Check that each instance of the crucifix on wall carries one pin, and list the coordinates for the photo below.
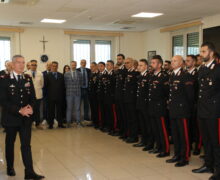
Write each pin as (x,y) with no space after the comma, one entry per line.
(44,42)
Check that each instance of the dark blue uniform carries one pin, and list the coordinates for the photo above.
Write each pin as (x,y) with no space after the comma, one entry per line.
(181,99)
(209,113)
(157,102)
(14,95)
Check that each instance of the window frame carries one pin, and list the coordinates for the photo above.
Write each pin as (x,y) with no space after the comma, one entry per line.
(92,45)
(11,36)
(185,32)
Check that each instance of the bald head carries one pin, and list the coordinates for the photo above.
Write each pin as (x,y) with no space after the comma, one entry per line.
(129,63)
(177,62)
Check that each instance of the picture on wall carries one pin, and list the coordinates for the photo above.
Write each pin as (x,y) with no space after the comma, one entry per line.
(150,54)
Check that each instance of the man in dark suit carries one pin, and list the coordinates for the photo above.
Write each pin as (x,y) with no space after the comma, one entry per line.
(208,111)
(17,97)
(54,84)
(45,97)
(120,74)
(181,101)
(147,140)
(109,98)
(157,97)
(93,83)
(86,73)
(129,99)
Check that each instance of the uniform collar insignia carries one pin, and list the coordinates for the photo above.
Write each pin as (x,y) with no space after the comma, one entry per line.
(212,66)
(12,86)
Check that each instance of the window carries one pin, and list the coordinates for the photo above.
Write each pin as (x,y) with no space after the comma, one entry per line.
(178,48)
(81,50)
(102,50)
(92,49)
(193,43)
(5,51)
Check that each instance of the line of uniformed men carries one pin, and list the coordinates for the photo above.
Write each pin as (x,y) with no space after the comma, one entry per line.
(161,105)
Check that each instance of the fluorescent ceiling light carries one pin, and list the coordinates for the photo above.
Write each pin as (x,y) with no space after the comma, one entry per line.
(58,21)
(147,15)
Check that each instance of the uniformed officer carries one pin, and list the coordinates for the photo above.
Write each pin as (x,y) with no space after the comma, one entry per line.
(100,95)
(208,110)
(158,93)
(142,105)
(92,88)
(17,97)
(109,98)
(195,136)
(119,86)
(129,98)
(181,99)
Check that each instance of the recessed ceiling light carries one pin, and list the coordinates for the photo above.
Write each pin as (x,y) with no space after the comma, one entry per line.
(58,21)
(147,15)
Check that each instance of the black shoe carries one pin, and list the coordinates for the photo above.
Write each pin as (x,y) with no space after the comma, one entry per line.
(154,151)
(202,157)
(33,176)
(215,176)
(181,163)
(196,152)
(116,134)
(174,159)
(50,127)
(61,126)
(139,145)
(203,169)
(11,172)
(131,140)
(147,148)
(163,154)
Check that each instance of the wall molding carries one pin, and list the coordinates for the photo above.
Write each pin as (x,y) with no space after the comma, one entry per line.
(181,26)
(93,33)
(11,29)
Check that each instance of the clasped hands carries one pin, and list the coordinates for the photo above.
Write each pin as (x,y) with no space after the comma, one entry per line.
(26,111)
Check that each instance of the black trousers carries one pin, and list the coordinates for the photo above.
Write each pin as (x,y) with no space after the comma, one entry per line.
(36,115)
(25,139)
(94,110)
(146,127)
(120,112)
(85,100)
(109,116)
(101,114)
(160,133)
(131,122)
(180,136)
(210,131)
(45,109)
(55,111)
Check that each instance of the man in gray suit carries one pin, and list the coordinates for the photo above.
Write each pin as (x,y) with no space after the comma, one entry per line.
(73,83)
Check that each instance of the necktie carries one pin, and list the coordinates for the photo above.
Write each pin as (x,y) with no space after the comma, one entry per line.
(55,75)
(33,74)
(19,78)
(84,77)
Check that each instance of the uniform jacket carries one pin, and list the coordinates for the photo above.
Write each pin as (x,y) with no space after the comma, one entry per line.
(13,96)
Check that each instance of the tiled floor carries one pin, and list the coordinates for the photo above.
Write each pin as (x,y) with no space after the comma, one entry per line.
(88,154)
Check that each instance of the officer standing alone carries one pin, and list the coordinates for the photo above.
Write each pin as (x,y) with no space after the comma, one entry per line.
(17,97)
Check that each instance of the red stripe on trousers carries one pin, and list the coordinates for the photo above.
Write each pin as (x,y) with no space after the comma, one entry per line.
(218,130)
(186,138)
(115,116)
(165,135)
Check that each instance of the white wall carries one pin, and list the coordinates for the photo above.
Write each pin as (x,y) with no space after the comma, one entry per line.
(58,47)
(162,42)
(159,42)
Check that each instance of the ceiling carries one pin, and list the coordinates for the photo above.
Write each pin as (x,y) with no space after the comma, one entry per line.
(112,15)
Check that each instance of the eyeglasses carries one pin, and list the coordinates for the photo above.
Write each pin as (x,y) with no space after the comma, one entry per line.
(33,64)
